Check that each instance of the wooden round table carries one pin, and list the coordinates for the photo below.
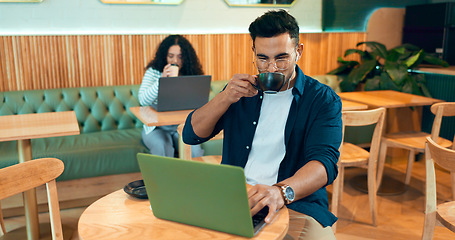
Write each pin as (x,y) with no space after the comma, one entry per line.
(120,216)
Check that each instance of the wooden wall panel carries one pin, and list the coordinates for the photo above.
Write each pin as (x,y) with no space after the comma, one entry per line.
(44,62)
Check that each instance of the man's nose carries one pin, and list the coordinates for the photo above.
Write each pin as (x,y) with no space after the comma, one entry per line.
(272,67)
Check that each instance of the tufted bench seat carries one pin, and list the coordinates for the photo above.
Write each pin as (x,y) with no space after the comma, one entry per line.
(110,135)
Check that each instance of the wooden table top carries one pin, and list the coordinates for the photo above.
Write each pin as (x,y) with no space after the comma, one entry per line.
(151,117)
(38,125)
(350,105)
(388,99)
(120,216)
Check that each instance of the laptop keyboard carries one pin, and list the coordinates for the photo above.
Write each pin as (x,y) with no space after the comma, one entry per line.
(260,216)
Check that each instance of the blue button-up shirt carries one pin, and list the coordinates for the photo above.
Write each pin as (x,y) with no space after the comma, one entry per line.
(313,131)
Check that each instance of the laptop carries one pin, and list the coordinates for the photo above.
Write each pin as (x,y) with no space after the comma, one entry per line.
(182,92)
(200,194)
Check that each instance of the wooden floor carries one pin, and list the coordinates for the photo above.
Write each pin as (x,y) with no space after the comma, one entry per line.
(400,216)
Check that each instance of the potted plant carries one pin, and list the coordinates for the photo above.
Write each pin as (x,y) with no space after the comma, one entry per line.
(382,69)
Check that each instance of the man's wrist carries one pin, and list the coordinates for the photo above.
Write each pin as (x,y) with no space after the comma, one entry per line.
(286,191)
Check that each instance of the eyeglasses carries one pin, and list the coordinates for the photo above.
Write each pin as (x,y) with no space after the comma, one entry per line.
(280,64)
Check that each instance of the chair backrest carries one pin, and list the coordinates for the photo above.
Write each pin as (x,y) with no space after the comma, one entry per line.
(31,174)
(364,118)
(444,157)
(185,149)
(445,109)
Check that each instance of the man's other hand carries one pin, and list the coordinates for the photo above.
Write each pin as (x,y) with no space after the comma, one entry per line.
(261,195)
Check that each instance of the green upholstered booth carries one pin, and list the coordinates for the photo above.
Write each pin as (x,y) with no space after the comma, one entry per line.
(110,135)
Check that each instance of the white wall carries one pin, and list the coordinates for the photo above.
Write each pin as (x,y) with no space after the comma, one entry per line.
(56,17)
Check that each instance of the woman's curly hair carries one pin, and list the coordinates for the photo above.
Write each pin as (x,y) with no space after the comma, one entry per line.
(190,61)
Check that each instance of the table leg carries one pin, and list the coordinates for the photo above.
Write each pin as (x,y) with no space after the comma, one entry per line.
(24,148)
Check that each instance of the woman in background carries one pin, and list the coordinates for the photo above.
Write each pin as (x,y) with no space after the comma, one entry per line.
(175,56)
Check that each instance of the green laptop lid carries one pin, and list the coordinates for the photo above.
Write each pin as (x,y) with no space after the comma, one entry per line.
(201,194)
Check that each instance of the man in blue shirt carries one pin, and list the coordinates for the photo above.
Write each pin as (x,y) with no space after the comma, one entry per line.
(287,142)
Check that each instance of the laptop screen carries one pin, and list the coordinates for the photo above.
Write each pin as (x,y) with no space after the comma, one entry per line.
(182,92)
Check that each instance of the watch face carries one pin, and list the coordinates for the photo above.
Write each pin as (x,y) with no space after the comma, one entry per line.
(290,193)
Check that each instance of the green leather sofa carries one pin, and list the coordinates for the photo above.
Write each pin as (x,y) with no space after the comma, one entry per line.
(110,135)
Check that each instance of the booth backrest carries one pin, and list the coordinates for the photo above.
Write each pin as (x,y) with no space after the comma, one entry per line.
(97,108)
(330,80)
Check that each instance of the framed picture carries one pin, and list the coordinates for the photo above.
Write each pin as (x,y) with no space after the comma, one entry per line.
(165,2)
(25,1)
(260,3)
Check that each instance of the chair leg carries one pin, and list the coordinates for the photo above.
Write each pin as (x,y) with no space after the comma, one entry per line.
(2,223)
(411,159)
(341,174)
(428,226)
(372,193)
(336,192)
(381,162)
(452,175)
(54,211)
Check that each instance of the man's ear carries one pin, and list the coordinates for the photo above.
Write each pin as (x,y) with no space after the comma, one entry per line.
(299,50)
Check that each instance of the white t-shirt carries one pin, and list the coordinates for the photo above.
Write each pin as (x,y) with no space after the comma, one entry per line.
(268,148)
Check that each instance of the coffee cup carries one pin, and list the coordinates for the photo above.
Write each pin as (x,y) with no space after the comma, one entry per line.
(173,70)
(270,82)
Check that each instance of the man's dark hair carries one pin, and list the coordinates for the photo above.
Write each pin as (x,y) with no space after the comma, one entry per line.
(191,64)
(274,23)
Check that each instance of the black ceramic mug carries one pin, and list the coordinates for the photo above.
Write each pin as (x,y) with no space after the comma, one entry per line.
(270,82)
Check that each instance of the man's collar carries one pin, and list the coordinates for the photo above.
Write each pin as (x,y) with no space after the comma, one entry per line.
(299,82)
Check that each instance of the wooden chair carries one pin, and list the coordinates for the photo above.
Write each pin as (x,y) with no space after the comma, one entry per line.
(2,223)
(414,142)
(31,174)
(437,213)
(185,149)
(355,156)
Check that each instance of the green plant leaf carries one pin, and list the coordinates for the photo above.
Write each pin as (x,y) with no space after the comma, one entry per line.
(347,86)
(397,72)
(378,49)
(359,73)
(411,86)
(434,60)
(393,55)
(399,49)
(351,51)
(387,83)
(350,63)
(338,70)
(410,61)
(410,47)
(372,84)
(424,89)
(345,68)
(418,77)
